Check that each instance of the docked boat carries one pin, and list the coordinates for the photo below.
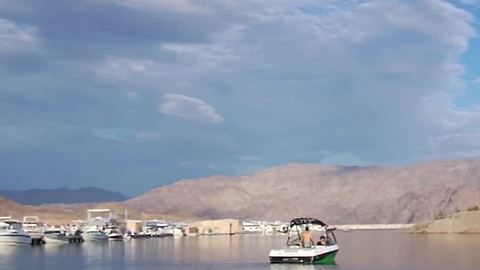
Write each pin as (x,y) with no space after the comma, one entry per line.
(156,228)
(322,252)
(177,232)
(92,233)
(55,236)
(114,233)
(12,233)
(32,225)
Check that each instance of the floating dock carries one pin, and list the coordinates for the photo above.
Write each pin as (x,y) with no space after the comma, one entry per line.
(75,239)
(38,239)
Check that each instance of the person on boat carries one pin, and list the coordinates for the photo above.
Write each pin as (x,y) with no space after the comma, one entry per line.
(307,238)
(322,241)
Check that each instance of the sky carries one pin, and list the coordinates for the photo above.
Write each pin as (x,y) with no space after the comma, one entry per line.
(130,95)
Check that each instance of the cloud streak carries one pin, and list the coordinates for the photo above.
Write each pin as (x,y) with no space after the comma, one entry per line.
(16,38)
(189,108)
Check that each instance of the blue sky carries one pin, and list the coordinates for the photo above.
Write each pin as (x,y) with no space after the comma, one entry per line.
(130,95)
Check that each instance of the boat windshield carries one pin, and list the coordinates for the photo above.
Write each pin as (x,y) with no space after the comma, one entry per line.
(318,230)
(12,224)
(331,239)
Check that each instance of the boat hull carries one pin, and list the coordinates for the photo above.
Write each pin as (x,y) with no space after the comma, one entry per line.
(56,239)
(316,255)
(95,237)
(115,236)
(15,239)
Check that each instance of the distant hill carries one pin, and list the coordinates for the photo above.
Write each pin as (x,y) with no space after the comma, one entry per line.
(334,194)
(66,213)
(53,214)
(62,196)
(459,222)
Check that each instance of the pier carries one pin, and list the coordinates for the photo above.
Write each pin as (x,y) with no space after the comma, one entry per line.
(348,227)
(75,239)
(37,240)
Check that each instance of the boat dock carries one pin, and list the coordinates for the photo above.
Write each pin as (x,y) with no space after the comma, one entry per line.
(75,239)
(39,239)
(348,227)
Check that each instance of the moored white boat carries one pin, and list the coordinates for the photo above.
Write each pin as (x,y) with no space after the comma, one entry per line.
(92,233)
(177,232)
(114,233)
(251,227)
(298,252)
(12,233)
(156,228)
(55,236)
(32,225)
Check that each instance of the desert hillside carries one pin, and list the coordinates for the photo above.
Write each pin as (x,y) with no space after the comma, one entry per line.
(458,222)
(408,194)
(67,213)
(377,194)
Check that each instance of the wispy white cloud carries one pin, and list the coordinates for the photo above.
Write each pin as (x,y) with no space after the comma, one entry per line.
(147,134)
(205,55)
(185,6)
(14,37)
(123,68)
(457,144)
(467,2)
(115,134)
(124,134)
(189,108)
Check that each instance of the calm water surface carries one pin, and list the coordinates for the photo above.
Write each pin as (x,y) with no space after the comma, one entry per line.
(358,250)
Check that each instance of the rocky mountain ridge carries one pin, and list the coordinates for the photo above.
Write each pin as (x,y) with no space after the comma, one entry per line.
(337,195)
(374,194)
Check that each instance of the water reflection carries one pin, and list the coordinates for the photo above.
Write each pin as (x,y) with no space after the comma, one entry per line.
(358,250)
(301,267)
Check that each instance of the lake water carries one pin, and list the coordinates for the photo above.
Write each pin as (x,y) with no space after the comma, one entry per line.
(358,250)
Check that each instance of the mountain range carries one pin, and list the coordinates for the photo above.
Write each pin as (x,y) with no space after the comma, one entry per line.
(335,194)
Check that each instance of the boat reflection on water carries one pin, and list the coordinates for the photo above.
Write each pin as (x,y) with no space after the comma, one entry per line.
(7,251)
(238,252)
(302,267)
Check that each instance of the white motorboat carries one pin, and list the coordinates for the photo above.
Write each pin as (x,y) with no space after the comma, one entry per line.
(155,228)
(114,233)
(92,233)
(55,236)
(32,225)
(177,232)
(251,227)
(297,252)
(12,233)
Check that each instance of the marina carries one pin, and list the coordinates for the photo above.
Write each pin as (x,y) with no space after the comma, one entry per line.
(104,225)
